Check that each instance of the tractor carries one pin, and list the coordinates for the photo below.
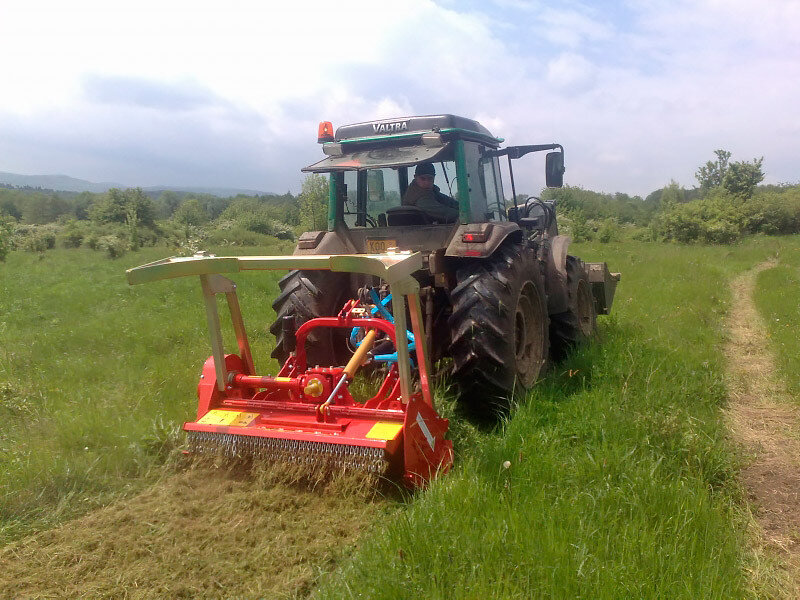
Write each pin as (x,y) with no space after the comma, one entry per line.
(485,284)
(500,296)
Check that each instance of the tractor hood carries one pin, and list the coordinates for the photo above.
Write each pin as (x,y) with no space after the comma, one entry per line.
(376,158)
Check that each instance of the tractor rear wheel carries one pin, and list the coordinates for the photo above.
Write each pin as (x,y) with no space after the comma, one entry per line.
(306,295)
(578,323)
(499,328)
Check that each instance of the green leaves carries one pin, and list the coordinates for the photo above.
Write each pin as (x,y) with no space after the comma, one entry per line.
(6,230)
(739,178)
(124,206)
(712,173)
(314,203)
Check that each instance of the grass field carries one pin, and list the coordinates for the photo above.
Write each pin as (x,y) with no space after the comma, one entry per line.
(97,376)
(622,481)
(777,297)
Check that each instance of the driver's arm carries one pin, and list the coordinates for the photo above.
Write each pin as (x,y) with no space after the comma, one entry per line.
(410,197)
(446,200)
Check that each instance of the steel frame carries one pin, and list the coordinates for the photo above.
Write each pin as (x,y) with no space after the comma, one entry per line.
(395,268)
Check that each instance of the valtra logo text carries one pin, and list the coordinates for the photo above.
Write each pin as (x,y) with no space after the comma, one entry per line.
(390,127)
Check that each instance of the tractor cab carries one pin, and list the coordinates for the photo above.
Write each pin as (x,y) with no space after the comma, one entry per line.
(372,164)
(498,290)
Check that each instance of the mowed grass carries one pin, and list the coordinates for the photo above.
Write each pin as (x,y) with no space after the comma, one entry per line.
(777,297)
(621,483)
(96,376)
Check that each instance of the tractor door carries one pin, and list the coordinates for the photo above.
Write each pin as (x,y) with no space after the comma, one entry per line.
(491,184)
(484,197)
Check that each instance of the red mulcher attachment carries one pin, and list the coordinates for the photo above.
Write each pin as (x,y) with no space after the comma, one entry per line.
(307,415)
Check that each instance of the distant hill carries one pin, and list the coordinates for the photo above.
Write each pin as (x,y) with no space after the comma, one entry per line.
(62,183)
(221,192)
(65,183)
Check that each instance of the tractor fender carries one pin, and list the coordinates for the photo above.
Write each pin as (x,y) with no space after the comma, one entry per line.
(325,242)
(556,274)
(492,234)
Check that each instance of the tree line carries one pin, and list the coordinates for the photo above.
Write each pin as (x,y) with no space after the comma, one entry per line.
(727,203)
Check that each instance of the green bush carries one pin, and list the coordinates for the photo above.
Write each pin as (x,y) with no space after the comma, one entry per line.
(191,212)
(236,235)
(643,234)
(608,231)
(774,212)
(111,238)
(187,238)
(71,235)
(146,236)
(37,242)
(261,223)
(35,238)
(722,217)
(596,205)
(253,215)
(112,245)
(575,224)
(6,236)
(717,218)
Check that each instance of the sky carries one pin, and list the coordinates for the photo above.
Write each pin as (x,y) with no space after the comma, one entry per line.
(229,94)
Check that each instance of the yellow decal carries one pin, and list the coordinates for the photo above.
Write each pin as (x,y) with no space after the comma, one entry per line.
(283,379)
(228,417)
(384,431)
(379,246)
(244,419)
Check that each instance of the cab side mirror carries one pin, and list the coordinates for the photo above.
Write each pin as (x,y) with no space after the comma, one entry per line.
(554,169)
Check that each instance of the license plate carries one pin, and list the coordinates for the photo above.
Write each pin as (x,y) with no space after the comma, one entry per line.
(380,246)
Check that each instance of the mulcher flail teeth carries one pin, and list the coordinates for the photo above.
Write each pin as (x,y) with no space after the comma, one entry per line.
(298,452)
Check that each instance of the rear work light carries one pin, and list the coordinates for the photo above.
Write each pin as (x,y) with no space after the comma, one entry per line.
(325,133)
(475,237)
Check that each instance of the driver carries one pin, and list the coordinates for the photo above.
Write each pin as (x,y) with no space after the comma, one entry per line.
(424,195)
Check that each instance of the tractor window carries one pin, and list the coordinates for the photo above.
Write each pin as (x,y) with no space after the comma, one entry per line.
(371,192)
(478,184)
(445,178)
(491,185)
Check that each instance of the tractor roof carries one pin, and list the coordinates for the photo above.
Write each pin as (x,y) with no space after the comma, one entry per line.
(405,126)
(398,142)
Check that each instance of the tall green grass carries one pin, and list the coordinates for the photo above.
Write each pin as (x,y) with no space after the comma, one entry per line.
(622,482)
(777,297)
(96,376)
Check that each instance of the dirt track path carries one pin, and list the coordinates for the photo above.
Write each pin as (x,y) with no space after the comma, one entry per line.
(765,420)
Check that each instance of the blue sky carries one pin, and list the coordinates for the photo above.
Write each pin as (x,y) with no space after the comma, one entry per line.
(195,93)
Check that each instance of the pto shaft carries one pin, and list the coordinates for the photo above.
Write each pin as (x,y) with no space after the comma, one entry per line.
(350,369)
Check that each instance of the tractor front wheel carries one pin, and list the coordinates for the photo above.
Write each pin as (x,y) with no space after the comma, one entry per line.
(306,295)
(578,323)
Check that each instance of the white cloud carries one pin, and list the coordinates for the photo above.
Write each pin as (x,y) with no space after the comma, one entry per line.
(568,27)
(637,98)
(570,72)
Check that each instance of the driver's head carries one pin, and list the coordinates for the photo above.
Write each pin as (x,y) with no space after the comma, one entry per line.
(424,174)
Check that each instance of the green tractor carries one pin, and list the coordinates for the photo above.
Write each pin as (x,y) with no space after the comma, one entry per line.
(501,296)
